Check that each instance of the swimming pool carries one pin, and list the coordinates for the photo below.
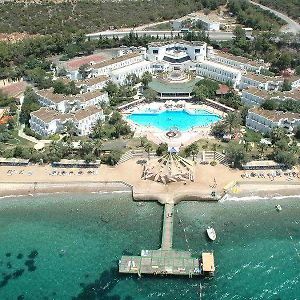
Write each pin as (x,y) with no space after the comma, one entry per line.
(182,120)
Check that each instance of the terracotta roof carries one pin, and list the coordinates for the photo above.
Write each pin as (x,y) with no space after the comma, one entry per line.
(223,89)
(75,63)
(116,60)
(240,59)
(295,94)
(261,78)
(15,89)
(89,96)
(56,98)
(84,113)
(93,80)
(275,116)
(47,115)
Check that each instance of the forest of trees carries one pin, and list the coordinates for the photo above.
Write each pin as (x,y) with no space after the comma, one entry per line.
(290,7)
(48,17)
(253,16)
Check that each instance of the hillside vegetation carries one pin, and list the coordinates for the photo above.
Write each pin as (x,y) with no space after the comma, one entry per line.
(290,7)
(90,16)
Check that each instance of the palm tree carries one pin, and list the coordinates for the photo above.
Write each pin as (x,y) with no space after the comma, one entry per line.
(247,145)
(70,130)
(214,148)
(261,148)
(192,149)
(148,147)
(97,147)
(233,121)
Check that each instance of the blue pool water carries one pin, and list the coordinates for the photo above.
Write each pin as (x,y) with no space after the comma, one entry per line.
(182,120)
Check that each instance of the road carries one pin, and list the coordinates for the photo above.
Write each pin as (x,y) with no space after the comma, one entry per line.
(292,26)
(213,35)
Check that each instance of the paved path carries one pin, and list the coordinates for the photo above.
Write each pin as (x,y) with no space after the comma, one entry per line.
(39,144)
(167,233)
(292,26)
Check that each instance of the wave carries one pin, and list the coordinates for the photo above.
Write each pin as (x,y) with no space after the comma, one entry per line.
(256,198)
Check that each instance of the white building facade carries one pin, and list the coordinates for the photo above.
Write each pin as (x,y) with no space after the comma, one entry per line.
(265,121)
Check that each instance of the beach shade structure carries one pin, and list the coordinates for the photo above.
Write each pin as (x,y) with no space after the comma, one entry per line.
(169,168)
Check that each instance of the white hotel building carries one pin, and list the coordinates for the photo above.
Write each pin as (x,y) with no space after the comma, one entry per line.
(265,121)
(46,121)
(68,103)
(256,97)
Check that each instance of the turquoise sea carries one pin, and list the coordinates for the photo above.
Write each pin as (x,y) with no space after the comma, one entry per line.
(64,246)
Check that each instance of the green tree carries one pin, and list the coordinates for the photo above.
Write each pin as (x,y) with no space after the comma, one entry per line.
(30,104)
(269,104)
(285,157)
(286,86)
(233,121)
(150,95)
(162,149)
(146,78)
(236,154)
(192,150)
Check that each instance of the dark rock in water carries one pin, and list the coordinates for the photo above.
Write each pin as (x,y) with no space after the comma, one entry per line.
(8,265)
(128,298)
(8,254)
(21,297)
(81,284)
(126,252)
(30,264)
(18,273)
(86,275)
(33,254)
(20,256)
(5,280)
(54,294)
(101,288)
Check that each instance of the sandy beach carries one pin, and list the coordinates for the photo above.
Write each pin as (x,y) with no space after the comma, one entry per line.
(127,177)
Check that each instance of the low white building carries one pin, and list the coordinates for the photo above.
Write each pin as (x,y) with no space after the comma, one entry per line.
(92,84)
(106,67)
(259,81)
(219,72)
(256,97)
(208,23)
(85,119)
(92,98)
(176,52)
(265,121)
(120,76)
(69,103)
(234,61)
(59,102)
(46,121)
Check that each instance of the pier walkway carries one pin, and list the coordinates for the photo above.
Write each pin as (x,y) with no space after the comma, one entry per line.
(165,260)
(167,232)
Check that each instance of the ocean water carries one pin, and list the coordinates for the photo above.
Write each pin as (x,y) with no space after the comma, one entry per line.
(181,119)
(64,246)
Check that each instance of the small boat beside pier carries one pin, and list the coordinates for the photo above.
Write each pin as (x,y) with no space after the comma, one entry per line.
(168,261)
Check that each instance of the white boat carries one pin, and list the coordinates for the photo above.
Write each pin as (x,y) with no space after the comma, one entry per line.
(211,233)
(278,207)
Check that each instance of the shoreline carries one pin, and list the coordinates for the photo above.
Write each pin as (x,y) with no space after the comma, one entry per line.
(239,190)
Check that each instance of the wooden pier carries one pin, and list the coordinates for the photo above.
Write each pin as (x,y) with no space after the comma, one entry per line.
(166,260)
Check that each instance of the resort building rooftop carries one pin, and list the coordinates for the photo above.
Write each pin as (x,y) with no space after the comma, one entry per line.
(56,98)
(75,63)
(261,78)
(275,116)
(84,113)
(115,60)
(93,80)
(47,115)
(240,59)
(182,42)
